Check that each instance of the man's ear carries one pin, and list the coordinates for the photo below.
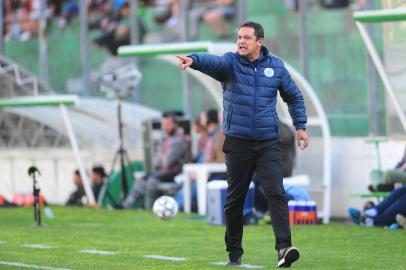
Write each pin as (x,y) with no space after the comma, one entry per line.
(260,42)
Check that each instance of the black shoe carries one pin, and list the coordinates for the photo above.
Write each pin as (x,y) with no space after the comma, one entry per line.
(286,256)
(234,262)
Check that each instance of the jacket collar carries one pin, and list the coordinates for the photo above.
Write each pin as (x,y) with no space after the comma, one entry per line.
(263,55)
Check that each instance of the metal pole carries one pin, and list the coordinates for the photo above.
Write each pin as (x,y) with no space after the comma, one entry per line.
(187,95)
(382,74)
(135,38)
(241,11)
(2,22)
(303,40)
(134,23)
(372,81)
(124,186)
(43,46)
(84,48)
(86,181)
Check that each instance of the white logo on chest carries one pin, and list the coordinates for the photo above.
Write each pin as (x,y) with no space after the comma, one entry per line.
(269,72)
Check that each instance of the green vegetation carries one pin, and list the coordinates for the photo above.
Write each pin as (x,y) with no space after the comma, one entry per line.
(133,234)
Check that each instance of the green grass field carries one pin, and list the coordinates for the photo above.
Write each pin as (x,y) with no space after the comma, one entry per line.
(133,234)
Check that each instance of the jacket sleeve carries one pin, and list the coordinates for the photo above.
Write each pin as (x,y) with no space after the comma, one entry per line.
(214,66)
(292,95)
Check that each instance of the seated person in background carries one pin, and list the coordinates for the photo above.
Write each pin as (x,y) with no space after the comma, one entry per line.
(98,177)
(383,214)
(391,177)
(75,199)
(175,152)
(78,197)
(115,28)
(214,13)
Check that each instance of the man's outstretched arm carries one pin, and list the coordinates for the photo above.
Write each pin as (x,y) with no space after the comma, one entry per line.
(214,66)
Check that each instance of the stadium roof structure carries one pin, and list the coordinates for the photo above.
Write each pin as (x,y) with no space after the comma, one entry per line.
(94,120)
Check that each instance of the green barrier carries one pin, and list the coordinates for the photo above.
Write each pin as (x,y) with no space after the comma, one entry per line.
(112,196)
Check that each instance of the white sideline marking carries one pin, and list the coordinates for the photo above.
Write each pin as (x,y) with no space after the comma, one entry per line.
(2,242)
(248,266)
(37,246)
(100,252)
(167,258)
(18,264)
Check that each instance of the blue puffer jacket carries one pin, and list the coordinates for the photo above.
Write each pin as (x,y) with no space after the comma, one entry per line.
(250,93)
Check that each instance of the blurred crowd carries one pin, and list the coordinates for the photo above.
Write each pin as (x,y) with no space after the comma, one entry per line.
(110,18)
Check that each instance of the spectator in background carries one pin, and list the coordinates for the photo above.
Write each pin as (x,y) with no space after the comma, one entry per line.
(115,27)
(76,197)
(175,152)
(17,19)
(98,177)
(391,177)
(166,13)
(70,9)
(383,214)
(214,13)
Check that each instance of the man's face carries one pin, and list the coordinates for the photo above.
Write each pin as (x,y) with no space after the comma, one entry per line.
(167,125)
(247,43)
(96,178)
(77,180)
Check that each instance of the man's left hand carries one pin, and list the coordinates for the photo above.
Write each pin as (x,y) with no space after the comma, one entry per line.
(302,138)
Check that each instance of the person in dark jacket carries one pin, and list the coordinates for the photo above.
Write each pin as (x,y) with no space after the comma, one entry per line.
(251,78)
(76,197)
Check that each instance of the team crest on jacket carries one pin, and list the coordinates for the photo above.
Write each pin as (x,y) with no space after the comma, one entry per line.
(269,72)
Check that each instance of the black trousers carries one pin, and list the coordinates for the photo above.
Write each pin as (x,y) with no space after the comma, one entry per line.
(243,158)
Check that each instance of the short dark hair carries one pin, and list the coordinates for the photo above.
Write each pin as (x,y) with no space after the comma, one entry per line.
(258,29)
(98,169)
(212,116)
(174,115)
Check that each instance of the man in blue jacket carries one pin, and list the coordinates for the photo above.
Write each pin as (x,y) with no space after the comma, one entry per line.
(251,78)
